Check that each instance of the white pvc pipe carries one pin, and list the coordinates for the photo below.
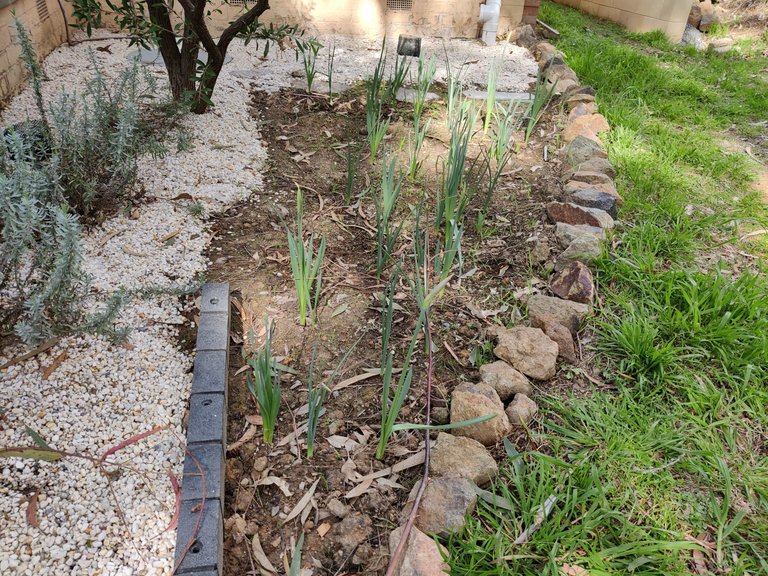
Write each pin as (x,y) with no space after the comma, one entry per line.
(489,16)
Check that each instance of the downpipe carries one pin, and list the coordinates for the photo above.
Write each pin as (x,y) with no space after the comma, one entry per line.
(489,16)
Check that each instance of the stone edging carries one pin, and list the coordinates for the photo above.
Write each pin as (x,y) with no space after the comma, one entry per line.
(206,441)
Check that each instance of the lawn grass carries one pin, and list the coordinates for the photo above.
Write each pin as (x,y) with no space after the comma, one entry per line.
(664,470)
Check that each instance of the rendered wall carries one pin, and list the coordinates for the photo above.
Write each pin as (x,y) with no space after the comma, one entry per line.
(443,18)
(45,22)
(669,16)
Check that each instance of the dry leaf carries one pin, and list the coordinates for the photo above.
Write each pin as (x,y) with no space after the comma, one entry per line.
(359,490)
(32,510)
(302,503)
(572,570)
(699,562)
(349,469)
(235,525)
(55,364)
(254,419)
(322,530)
(261,558)
(249,434)
(274,480)
(345,442)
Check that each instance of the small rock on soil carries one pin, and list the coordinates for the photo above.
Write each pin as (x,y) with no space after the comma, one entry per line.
(462,457)
(574,282)
(566,348)
(569,314)
(422,556)
(585,249)
(470,401)
(582,149)
(528,350)
(505,380)
(444,505)
(521,410)
(567,233)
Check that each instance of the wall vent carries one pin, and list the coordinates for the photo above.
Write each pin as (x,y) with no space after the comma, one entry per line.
(42,9)
(400,5)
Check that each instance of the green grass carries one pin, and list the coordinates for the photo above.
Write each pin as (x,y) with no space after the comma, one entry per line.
(673,449)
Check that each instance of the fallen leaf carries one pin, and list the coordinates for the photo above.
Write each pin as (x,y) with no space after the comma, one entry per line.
(345,442)
(55,364)
(254,419)
(340,309)
(349,469)
(274,480)
(249,434)
(699,562)
(322,530)
(32,510)
(261,558)
(359,490)
(572,570)
(302,503)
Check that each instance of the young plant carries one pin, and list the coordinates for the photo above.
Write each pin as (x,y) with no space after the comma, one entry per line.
(377,128)
(414,148)
(306,264)
(424,78)
(264,384)
(494,174)
(309,50)
(508,120)
(490,98)
(396,79)
(541,97)
(386,237)
(353,163)
(318,395)
(329,73)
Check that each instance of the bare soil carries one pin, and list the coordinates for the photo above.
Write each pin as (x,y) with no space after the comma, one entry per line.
(308,140)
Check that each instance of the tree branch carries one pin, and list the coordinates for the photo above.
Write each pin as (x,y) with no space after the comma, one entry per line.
(245,20)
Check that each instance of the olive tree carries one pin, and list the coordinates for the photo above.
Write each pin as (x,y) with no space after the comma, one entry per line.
(180,35)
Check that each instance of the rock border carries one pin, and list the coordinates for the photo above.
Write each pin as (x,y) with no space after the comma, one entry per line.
(200,534)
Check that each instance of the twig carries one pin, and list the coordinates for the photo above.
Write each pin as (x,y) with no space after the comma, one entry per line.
(34,352)
(397,555)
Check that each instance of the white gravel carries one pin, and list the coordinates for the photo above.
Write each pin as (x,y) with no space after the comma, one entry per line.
(102,394)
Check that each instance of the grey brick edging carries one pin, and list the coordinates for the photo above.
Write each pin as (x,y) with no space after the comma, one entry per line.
(206,440)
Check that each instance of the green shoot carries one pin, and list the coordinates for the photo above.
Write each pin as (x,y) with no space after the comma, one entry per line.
(490,99)
(295,567)
(509,120)
(396,79)
(306,265)
(377,128)
(424,79)
(541,98)
(309,50)
(329,72)
(385,206)
(264,384)
(318,395)
(414,148)
(353,162)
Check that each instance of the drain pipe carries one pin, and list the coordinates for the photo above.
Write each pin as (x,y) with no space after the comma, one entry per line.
(489,16)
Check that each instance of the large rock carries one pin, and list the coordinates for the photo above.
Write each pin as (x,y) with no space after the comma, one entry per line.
(589,126)
(523,36)
(470,401)
(574,282)
(584,249)
(694,16)
(462,457)
(422,555)
(569,314)
(582,109)
(505,380)
(693,37)
(583,149)
(594,198)
(444,505)
(566,348)
(570,213)
(600,165)
(521,410)
(529,350)
(709,15)
(591,177)
(567,233)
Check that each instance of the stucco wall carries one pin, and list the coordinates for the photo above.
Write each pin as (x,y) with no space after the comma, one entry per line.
(446,18)
(45,22)
(669,16)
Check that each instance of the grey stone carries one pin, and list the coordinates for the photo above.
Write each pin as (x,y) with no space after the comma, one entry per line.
(470,401)
(207,419)
(351,532)
(521,410)
(444,505)
(593,198)
(693,37)
(213,332)
(567,233)
(581,149)
(462,457)
(569,314)
(500,96)
(584,249)
(591,177)
(206,551)
(540,252)
(505,380)
(409,95)
(566,348)
(422,556)
(215,297)
(337,508)
(528,350)
(601,165)
(210,372)
(574,282)
(211,459)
